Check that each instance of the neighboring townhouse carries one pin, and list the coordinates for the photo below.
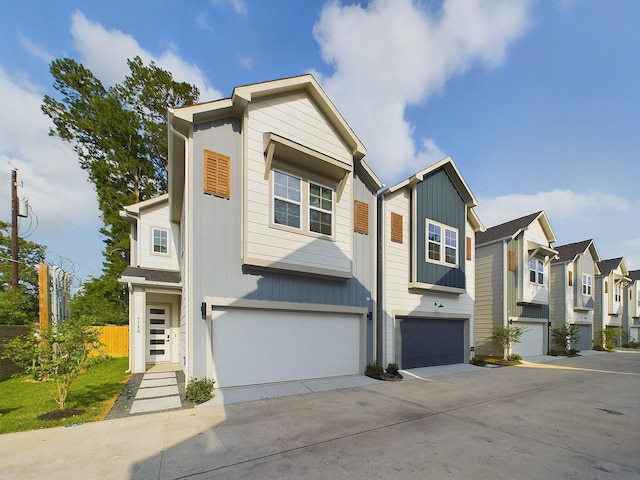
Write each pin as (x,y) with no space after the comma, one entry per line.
(271,213)
(609,296)
(571,296)
(631,319)
(427,226)
(512,283)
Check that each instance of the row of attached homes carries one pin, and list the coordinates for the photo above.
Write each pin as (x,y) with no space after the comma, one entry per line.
(277,254)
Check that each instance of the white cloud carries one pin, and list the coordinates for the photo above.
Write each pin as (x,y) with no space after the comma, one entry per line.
(392,54)
(34,49)
(631,253)
(239,6)
(105,53)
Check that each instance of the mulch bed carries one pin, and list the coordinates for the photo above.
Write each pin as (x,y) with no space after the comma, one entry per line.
(60,414)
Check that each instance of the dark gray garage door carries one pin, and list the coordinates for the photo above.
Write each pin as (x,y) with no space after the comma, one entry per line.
(584,342)
(427,342)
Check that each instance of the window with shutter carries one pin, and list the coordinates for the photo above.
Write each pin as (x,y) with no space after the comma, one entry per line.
(396,228)
(361,217)
(217,174)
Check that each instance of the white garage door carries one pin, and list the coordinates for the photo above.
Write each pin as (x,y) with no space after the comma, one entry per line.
(532,341)
(257,346)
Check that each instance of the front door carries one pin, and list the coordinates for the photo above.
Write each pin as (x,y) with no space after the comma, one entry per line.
(158,334)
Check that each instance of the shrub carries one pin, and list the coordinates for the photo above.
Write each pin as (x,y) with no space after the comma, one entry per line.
(374,370)
(514,357)
(506,336)
(478,361)
(632,344)
(199,390)
(392,369)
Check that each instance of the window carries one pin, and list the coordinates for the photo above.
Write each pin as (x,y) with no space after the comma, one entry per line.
(160,241)
(320,209)
(442,244)
(536,271)
(297,202)
(286,200)
(217,175)
(618,293)
(570,278)
(396,228)
(586,284)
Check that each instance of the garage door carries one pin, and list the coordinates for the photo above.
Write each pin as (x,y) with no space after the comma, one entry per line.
(584,342)
(251,347)
(532,341)
(428,342)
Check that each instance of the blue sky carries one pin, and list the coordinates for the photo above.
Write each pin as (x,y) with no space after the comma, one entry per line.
(538,102)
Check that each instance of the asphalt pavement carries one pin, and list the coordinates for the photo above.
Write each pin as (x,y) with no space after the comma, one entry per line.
(549,418)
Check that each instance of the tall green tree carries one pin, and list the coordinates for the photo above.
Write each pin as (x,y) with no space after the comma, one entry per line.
(21,307)
(120,136)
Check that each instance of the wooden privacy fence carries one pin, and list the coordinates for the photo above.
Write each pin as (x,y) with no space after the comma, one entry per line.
(115,339)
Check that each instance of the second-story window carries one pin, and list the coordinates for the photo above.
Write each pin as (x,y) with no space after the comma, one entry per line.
(618,293)
(536,271)
(286,199)
(586,284)
(442,244)
(320,209)
(160,241)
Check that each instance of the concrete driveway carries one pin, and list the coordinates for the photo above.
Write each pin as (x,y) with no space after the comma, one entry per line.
(571,418)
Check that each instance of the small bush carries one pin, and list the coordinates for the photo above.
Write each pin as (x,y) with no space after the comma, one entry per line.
(199,390)
(631,345)
(392,369)
(514,357)
(478,361)
(374,370)
(600,348)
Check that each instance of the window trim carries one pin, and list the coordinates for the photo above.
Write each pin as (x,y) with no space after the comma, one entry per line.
(275,197)
(442,244)
(153,241)
(320,209)
(305,206)
(538,271)
(617,293)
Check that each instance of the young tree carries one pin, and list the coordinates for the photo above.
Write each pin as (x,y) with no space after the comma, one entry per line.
(21,307)
(565,336)
(120,136)
(506,336)
(56,355)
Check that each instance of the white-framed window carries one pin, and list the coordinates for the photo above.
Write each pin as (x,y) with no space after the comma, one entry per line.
(586,284)
(618,293)
(536,271)
(298,202)
(286,199)
(320,209)
(442,243)
(160,241)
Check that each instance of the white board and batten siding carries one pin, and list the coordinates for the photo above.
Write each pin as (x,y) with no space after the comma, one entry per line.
(296,118)
(151,218)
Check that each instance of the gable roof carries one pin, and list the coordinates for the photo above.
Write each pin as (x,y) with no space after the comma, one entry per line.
(610,264)
(568,253)
(512,228)
(134,210)
(634,275)
(181,119)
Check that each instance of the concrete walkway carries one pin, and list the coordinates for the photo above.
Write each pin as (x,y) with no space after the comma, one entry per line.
(158,391)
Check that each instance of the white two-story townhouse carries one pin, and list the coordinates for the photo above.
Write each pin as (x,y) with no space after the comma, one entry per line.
(272,211)
(512,283)
(427,228)
(609,296)
(631,319)
(571,296)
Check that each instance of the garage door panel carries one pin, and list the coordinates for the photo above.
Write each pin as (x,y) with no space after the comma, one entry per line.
(585,340)
(532,341)
(265,347)
(430,342)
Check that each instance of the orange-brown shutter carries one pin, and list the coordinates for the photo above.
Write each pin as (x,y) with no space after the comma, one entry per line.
(512,261)
(606,287)
(468,248)
(396,228)
(217,174)
(361,217)
(570,278)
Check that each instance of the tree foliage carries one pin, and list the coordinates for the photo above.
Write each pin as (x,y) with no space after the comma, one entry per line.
(565,336)
(506,336)
(56,355)
(90,306)
(21,307)
(120,136)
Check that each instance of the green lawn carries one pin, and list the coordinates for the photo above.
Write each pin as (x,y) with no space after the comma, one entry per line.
(23,400)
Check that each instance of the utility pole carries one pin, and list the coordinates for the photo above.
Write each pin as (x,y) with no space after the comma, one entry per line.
(14,230)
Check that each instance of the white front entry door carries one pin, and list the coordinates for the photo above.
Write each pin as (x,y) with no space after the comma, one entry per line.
(158,334)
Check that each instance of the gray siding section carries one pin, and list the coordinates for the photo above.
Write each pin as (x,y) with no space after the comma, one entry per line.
(439,200)
(488,306)
(557,292)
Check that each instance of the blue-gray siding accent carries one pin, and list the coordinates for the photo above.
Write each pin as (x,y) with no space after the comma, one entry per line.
(439,200)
